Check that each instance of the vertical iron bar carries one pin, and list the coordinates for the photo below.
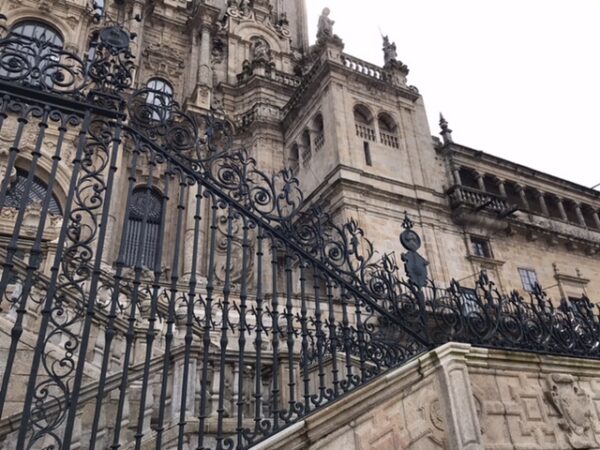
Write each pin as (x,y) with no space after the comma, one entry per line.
(321,338)
(346,340)
(333,340)
(190,318)
(13,152)
(171,314)
(224,328)
(32,267)
(46,311)
(275,337)
(111,330)
(210,285)
(360,331)
(130,334)
(93,290)
(13,244)
(289,315)
(304,325)
(242,336)
(150,332)
(259,331)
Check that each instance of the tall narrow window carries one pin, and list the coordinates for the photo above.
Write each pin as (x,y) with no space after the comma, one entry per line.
(481,247)
(145,204)
(367,149)
(160,96)
(528,278)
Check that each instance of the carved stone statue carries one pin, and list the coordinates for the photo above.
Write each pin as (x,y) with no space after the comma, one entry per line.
(245,7)
(390,55)
(325,27)
(261,52)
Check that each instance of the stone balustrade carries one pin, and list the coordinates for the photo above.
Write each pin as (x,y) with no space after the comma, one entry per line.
(365,132)
(466,196)
(363,67)
(389,140)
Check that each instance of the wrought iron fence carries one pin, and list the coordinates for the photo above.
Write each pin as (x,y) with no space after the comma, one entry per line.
(248,312)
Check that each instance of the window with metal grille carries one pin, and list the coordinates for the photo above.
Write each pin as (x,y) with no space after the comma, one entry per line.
(528,278)
(160,97)
(33,47)
(468,299)
(481,247)
(38,191)
(141,243)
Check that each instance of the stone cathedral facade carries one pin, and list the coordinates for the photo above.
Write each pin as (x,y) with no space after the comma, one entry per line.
(201,302)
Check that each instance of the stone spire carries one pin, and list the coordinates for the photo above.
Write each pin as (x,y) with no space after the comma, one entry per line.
(446,132)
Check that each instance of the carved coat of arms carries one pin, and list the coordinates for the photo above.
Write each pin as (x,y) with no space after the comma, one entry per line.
(575,408)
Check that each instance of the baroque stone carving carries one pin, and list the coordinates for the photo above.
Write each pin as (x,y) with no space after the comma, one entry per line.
(161,57)
(575,408)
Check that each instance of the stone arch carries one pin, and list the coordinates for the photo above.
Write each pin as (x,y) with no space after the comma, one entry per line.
(318,127)
(387,123)
(363,114)
(388,130)
(70,36)
(42,176)
(248,31)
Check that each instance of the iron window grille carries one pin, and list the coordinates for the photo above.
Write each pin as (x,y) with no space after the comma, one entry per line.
(143,225)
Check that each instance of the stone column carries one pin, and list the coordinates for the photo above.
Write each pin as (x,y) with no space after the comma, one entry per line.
(203,92)
(543,205)
(502,188)
(480,182)
(463,427)
(457,180)
(561,209)
(204,69)
(579,213)
(521,192)
(596,219)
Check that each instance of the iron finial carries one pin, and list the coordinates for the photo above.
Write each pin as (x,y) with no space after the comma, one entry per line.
(407,223)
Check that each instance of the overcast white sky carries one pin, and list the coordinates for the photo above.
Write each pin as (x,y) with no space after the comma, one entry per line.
(516,78)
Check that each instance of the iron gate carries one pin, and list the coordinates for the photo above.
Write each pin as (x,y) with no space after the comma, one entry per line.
(159,291)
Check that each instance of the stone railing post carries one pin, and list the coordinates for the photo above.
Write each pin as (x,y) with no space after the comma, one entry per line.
(463,426)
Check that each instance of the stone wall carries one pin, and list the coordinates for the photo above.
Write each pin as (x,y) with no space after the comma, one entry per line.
(462,397)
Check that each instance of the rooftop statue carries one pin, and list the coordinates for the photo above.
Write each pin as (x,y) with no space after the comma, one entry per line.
(390,54)
(325,27)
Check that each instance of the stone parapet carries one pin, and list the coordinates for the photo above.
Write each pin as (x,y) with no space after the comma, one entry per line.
(462,397)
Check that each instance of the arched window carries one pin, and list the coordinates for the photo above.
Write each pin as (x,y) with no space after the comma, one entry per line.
(363,121)
(388,130)
(31,45)
(318,127)
(145,203)
(306,146)
(294,158)
(160,96)
(38,32)
(37,193)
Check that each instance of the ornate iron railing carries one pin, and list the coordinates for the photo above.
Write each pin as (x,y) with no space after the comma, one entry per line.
(255,310)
